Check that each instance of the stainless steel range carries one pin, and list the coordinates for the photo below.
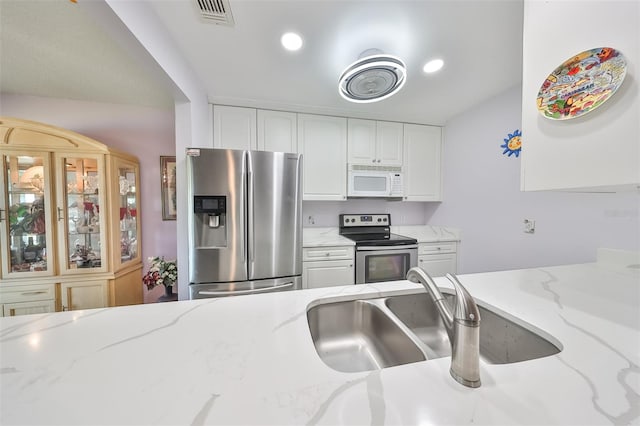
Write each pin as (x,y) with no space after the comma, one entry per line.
(380,255)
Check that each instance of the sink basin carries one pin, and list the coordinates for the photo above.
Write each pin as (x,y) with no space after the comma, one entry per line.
(357,335)
(370,334)
(502,340)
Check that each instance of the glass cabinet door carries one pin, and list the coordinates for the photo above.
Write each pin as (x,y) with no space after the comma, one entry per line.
(26,222)
(80,218)
(128,182)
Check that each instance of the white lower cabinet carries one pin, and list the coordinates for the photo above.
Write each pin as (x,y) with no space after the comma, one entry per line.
(26,299)
(83,295)
(438,259)
(26,308)
(328,267)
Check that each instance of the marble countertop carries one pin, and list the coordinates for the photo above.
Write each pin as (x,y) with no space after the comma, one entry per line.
(319,237)
(250,360)
(324,237)
(427,233)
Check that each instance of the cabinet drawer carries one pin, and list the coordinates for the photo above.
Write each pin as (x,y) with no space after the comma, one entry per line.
(27,293)
(327,253)
(27,308)
(436,248)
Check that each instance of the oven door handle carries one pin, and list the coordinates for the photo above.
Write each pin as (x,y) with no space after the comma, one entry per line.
(380,248)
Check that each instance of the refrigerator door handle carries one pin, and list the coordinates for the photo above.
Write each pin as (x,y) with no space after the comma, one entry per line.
(238,292)
(252,217)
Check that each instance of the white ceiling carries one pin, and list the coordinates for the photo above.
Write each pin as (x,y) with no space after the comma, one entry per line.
(51,49)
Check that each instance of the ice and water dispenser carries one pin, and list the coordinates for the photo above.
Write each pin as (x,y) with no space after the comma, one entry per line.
(210,213)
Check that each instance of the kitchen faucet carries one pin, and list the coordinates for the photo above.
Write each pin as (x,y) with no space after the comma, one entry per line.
(463,327)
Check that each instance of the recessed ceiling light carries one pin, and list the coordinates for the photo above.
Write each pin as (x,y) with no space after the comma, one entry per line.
(433,65)
(291,41)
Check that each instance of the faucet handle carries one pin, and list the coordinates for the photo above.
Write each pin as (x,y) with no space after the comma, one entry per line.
(466,308)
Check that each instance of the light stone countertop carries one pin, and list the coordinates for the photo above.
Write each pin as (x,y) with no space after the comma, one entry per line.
(250,360)
(324,237)
(428,233)
(320,236)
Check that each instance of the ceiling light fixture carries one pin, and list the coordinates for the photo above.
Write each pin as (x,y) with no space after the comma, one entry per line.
(373,77)
(433,65)
(291,41)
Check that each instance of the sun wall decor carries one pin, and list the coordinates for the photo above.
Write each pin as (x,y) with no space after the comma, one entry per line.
(512,144)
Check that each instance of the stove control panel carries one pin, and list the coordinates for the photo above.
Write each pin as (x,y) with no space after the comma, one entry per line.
(350,220)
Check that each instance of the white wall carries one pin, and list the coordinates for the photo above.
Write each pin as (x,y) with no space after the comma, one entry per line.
(602,145)
(325,213)
(144,132)
(483,199)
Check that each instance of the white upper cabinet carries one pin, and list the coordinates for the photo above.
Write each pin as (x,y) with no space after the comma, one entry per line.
(234,127)
(322,141)
(422,163)
(375,142)
(277,131)
(599,150)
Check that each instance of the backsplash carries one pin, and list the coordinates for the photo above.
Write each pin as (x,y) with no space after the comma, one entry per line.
(325,213)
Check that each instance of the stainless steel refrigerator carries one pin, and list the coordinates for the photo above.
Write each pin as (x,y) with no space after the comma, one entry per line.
(245,222)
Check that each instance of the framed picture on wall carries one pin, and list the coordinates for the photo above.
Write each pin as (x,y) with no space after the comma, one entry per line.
(168,182)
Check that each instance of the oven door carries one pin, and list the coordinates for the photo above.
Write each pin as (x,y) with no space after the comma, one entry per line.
(388,263)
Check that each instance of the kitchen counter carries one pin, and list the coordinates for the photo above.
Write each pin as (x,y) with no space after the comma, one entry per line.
(251,360)
(324,237)
(319,237)
(427,233)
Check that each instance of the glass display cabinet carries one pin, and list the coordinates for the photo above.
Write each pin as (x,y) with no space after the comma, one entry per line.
(69,221)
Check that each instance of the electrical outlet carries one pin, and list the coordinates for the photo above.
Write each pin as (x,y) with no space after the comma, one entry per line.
(311,220)
(529,226)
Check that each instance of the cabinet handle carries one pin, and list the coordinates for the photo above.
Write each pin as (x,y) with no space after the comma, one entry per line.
(60,217)
(2,215)
(373,161)
(64,308)
(33,293)
(378,161)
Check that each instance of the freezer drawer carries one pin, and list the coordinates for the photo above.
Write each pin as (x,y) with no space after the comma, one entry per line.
(203,291)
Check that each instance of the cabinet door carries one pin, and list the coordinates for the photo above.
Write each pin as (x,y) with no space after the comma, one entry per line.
(234,127)
(361,141)
(327,273)
(438,265)
(83,295)
(322,141)
(389,143)
(422,163)
(81,224)
(26,308)
(25,215)
(125,216)
(277,131)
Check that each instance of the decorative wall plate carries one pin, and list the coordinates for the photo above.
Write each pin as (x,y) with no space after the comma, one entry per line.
(582,83)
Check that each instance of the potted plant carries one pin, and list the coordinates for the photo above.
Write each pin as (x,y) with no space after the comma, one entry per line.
(161,272)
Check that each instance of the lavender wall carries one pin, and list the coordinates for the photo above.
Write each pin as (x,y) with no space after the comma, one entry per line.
(144,132)
(482,197)
(325,213)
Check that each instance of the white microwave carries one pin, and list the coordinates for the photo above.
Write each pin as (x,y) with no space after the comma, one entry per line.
(374,181)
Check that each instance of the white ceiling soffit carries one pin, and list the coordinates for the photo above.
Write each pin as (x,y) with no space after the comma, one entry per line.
(216,11)
(54,49)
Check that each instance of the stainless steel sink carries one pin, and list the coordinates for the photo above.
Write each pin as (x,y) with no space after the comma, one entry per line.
(502,340)
(370,334)
(357,335)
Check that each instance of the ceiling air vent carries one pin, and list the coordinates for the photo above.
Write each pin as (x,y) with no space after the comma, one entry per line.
(217,11)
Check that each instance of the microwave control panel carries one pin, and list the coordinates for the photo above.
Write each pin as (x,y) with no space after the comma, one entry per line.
(348,220)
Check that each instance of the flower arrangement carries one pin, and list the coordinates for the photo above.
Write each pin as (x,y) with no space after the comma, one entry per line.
(161,271)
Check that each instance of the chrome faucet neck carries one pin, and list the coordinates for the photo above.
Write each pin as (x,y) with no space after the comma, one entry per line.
(463,327)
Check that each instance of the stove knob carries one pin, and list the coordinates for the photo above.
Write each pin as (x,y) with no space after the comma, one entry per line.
(379,220)
(353,220)
(385,219)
